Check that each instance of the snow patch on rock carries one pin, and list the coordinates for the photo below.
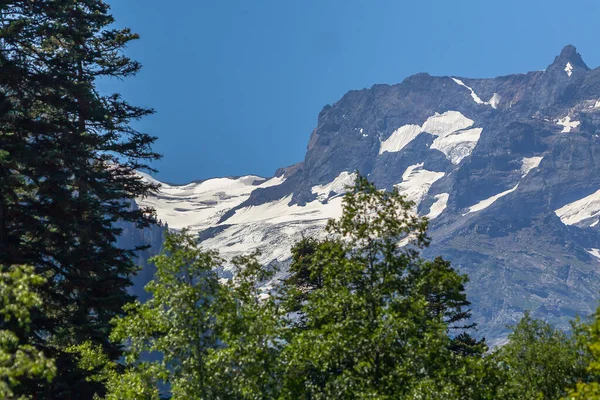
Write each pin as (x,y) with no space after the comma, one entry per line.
(457,145)
(473,94)
(453,137)
(594,252)
(416,182)
(580,210)
(446,123)
(495,100)
(483,204)
(529,163)
(569,69)
(337,186)
(441,201)
(567,124)
(400,138)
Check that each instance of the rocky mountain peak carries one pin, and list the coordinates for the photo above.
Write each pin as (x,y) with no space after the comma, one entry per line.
(506,169)
(568,61)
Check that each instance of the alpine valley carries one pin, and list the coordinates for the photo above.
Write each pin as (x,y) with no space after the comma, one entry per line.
(507,170)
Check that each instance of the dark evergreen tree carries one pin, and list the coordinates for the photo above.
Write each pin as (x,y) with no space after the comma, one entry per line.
(67,173)
(305,275)
(444,291)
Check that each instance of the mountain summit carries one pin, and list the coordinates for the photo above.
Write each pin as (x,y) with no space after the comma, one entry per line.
(569,56)
(506,169)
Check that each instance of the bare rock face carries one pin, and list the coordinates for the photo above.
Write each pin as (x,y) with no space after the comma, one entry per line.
(507,169)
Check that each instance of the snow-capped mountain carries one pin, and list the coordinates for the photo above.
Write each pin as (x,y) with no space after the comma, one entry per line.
(507,169)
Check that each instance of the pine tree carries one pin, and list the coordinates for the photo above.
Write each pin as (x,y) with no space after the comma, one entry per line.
(67,173)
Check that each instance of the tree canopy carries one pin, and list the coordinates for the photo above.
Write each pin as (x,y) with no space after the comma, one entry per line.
(67,174)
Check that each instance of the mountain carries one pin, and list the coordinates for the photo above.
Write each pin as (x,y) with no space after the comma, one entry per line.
(152,238)
(507,170)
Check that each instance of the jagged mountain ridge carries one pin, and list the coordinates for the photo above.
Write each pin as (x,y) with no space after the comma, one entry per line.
(506,168)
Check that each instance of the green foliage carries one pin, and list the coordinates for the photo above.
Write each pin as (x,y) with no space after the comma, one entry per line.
(375,316)
(67,174)
(132,383)
(361,315)
(541,361)
(588,387)
(195,337)
(246,366)
(18,297)
(305,275)
(175,328)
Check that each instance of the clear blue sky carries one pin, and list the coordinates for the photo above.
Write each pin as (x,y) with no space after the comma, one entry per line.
(238,84)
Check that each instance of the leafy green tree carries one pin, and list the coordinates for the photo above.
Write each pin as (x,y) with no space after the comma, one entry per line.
(195,337)
(120,382)
(18,297)
(375,316)
(250,326)
(587,386)
(540,361)
(67,174)
(175,328)
(375,320)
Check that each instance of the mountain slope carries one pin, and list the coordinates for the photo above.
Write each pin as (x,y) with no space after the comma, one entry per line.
(505,168)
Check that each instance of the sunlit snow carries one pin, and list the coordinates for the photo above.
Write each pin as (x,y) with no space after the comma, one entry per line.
(453,137)
(495,100)
(473,94)
(569,69)
(198,205)
(580,210)
(594,252)
(337,185)
(441,201)
(457,145)
(446,123)
(272,227)
(400,138)
(279,211)
(483,204)
(416,182)
(528,164)
(567,124)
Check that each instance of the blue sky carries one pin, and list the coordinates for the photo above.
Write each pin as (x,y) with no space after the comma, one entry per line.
(237,85)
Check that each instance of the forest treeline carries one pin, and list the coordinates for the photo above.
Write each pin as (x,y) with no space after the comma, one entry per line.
(359,314)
